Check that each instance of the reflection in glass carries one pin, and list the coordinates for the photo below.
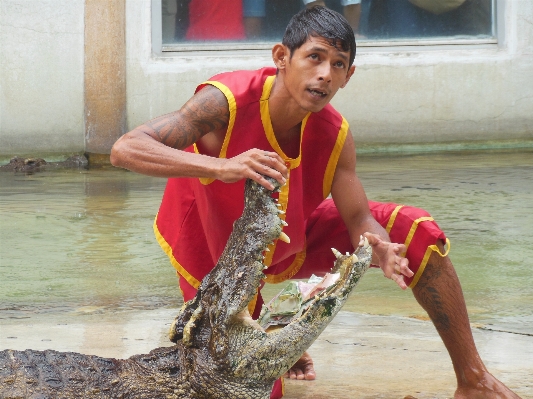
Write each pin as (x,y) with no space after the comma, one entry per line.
(393,19)
(238,21)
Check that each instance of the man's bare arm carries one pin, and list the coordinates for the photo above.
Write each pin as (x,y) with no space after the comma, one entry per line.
(350,199)
(155,148)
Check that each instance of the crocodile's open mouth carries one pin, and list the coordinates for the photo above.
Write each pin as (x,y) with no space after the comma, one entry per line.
(292,302)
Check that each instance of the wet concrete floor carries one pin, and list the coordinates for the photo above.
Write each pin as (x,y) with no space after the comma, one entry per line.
(364,356)
(357,356)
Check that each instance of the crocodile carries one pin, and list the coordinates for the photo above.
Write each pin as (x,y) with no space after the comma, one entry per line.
(219,351)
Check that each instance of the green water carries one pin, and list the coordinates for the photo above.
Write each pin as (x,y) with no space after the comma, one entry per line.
(82,241)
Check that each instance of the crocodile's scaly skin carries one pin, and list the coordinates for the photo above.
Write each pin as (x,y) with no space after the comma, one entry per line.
(219,351)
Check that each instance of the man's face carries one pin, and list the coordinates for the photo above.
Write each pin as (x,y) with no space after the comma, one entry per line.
(315,72)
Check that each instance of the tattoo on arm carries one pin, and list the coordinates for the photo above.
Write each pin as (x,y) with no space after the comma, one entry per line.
(205,112)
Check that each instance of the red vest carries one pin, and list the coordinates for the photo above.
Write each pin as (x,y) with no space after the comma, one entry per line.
(196,215)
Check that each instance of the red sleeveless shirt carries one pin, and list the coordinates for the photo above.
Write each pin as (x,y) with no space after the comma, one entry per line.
(196,215)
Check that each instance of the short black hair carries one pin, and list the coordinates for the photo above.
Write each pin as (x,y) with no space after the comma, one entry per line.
(319,21)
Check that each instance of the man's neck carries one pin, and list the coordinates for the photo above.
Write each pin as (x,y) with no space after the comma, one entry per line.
(286,116)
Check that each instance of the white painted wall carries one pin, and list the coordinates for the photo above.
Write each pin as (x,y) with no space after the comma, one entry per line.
(431,95)
(424,94)
(41,77)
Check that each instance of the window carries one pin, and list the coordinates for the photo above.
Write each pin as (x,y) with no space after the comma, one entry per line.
(217,24)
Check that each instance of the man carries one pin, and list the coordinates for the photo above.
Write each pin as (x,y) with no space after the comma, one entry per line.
(247,124)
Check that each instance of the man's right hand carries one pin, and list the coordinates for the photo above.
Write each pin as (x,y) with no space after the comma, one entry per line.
(156,148)
(253,164)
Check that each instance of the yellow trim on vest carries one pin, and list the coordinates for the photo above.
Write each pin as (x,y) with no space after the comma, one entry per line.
(430,249)
(232,105)
(289,272)
(168,250)
(251,304)
(414,226)
(283,200)
(269,130)
(291,163)
(334,158)
(393,218)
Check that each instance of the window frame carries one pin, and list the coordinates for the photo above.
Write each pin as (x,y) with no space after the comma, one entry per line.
(221,48)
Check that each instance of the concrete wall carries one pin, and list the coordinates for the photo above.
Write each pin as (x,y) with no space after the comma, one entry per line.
(429,95)
(412,94)
(41,76)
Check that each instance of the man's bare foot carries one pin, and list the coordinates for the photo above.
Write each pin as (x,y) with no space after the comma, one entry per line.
(303,369)
(488,387)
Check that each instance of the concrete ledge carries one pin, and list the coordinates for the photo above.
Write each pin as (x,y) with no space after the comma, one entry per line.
(441,147)
(97,160)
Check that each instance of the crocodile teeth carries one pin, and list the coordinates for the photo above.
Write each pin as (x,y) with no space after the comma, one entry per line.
(281,212)
(366,244)
(284,237)
(354,258)
(336,253)
(284,223)
(279,205)
(267,250)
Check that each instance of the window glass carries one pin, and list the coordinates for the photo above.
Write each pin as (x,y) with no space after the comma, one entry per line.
(237,21)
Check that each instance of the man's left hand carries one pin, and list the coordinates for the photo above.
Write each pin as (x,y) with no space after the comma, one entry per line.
(388,256)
